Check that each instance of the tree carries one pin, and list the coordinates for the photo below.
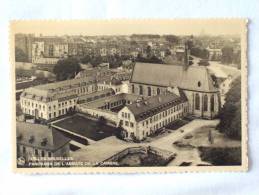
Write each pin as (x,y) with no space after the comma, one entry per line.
(153,59)
(203,63)
(66,68)
(114,61)
(230,114)
(20,55)
(172,39)
(227,55)
(85,59)
(149,51)
(96,60)
(200,52)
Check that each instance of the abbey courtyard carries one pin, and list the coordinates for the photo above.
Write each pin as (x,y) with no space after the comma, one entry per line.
(168,108)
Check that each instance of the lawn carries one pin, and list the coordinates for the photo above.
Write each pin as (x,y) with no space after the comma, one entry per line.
(86,127)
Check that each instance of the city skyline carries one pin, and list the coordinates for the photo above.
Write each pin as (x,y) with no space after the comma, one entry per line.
(120,27)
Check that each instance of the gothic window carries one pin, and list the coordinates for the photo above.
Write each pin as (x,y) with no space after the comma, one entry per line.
(158,91)
(133,90)
(205,103)
(149,91)
(212,103)
(197,101)
(140,90)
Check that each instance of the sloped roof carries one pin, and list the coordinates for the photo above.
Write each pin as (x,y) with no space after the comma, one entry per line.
(54,139)
(52,89)
(173,75)
(150,106)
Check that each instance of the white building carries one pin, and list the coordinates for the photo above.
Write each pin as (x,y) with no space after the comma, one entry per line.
(49,101)
(144,117)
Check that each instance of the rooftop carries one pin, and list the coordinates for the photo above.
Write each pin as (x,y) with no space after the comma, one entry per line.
(51,89)
(39,136)
(155,104)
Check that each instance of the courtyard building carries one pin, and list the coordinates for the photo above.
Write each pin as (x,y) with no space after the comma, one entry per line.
(145,116)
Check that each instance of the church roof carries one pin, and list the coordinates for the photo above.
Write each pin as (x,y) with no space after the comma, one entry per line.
(195,78)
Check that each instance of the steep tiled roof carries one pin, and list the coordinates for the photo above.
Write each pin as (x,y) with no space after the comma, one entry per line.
(53,89)
(39,136)
(150,106)
(96,95)
(193,78)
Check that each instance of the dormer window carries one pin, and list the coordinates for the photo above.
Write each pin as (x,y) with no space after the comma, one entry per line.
(44,142)
(31,140)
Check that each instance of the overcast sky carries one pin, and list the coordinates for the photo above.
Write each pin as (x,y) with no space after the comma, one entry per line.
(126,27)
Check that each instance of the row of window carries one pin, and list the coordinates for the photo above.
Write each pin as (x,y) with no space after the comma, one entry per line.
(164,114)
(166,121)
(127,123)
(125,115)
(162,124)
(149,90)
(37,152)
(28,103)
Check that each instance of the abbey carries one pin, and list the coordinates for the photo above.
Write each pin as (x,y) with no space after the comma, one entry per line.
(194,81)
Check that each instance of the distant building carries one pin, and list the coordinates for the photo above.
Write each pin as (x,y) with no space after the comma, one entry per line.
(24,42)
(214,54)
(35,140)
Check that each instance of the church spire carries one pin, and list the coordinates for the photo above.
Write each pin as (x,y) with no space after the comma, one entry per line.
(186,55)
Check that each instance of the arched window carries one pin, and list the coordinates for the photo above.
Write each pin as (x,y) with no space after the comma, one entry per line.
(133,89)
(205,103)
(149,91)
(212,103)
(158,91)
(197,101)
(140,90)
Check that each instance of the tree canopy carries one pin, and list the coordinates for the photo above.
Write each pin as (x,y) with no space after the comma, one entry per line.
(66,68)
(200,52)
(227,55)
(230,114)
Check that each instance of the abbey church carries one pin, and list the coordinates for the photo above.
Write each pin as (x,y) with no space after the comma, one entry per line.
(193,81)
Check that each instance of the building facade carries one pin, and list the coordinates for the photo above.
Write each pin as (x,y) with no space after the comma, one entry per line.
(145,117)
(52,100)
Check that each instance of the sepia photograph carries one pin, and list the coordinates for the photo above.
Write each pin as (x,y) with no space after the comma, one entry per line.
(129,95)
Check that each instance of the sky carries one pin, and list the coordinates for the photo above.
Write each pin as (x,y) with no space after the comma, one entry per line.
(127,27)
